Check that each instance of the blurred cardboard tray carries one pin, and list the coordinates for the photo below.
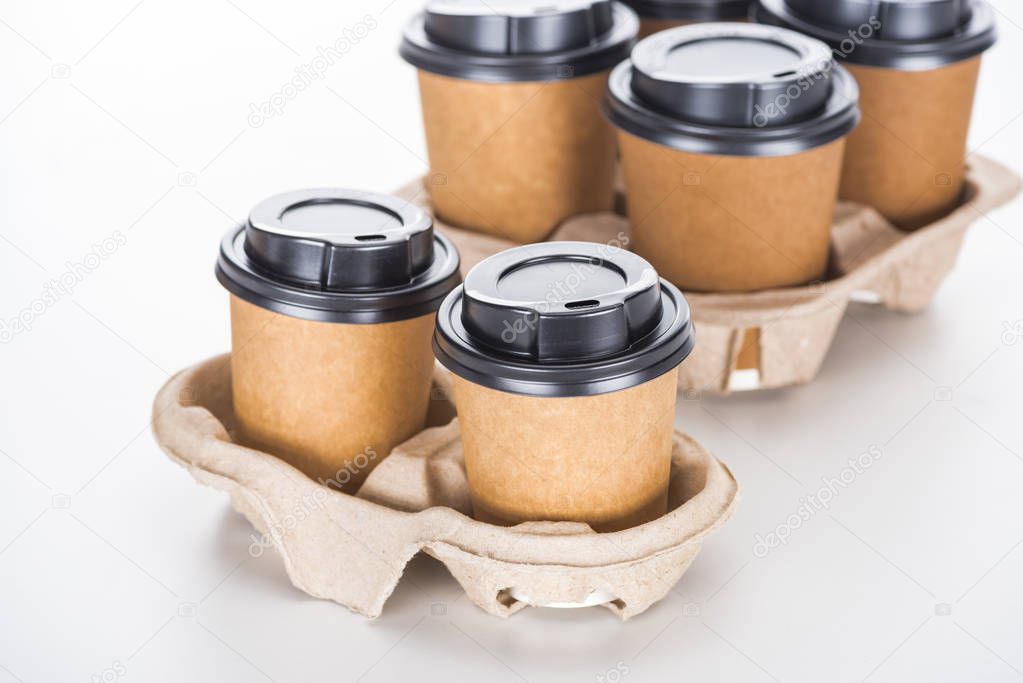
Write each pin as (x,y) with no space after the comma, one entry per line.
(779,337)
(354,549)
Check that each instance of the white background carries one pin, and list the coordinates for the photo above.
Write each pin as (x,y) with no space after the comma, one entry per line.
(133,117)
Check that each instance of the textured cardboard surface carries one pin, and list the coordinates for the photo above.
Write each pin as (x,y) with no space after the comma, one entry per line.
(727,223)
(353,550)
(331,399)
(870,260)
(516,159)
(907,156)
(603,460)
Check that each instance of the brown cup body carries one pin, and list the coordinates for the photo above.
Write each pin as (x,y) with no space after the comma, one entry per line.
(650,25)
(515,159)
(907,156)
(604,460)
(332,399)
(731,223)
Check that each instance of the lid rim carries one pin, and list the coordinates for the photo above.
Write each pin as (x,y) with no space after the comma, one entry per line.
(973,39)
(538,389)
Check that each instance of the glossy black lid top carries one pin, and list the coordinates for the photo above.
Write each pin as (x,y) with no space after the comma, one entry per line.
(519,40)
(906,34)
(563,319)
(691,10)
(338,255)
(733,88)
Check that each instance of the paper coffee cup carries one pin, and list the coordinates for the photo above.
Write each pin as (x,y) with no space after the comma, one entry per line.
(660,15)
(333,294)
(916,64)
(731,138)
(565,357)
(511,108)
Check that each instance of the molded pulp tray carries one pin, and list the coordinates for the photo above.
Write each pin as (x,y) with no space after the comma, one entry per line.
(746,341)
(353,549)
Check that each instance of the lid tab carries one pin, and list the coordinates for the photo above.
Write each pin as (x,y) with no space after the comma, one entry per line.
(339,240)
(732,74)
(561,301)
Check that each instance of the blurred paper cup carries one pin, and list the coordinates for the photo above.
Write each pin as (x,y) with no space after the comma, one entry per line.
(731,138)
(511,107)
(916,64)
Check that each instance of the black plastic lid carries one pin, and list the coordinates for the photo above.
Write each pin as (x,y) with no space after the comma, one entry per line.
(732,88)
(900,34)
(563,319)
(519,40)
(691,10)
(338,255)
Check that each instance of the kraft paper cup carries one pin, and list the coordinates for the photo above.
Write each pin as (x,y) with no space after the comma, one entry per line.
(511,109)
(333,294)
(661,15)
(565,359)
(731,138)
(916,65)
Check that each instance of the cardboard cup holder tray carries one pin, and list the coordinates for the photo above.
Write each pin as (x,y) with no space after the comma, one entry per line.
(746,340)
(353,549)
